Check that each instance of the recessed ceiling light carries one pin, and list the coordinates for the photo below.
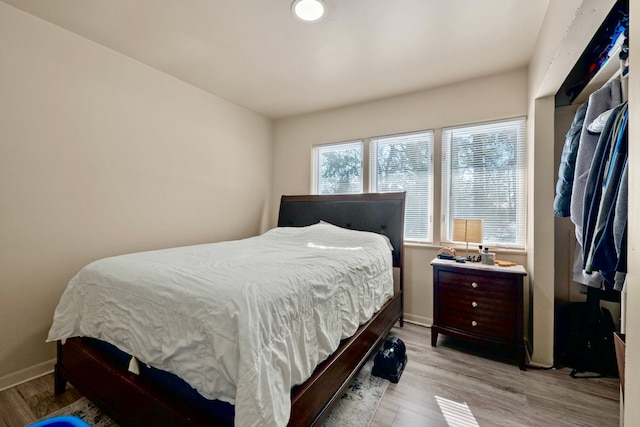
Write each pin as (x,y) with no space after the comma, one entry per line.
(308,10)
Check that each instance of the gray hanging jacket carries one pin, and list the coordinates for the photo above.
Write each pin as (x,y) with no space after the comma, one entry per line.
(603,99)
(562,201)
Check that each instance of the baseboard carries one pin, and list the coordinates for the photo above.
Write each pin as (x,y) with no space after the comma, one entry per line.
(27,374)
(418,320)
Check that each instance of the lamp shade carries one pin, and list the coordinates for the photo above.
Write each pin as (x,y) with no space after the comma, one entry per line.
(467,230)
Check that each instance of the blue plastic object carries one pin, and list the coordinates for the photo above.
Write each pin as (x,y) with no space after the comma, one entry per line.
(61,421)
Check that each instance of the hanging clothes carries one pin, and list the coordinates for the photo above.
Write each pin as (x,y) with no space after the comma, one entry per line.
(603,99)
(602,254)
(566,171)
(602,237)
(600,101)
(620,230)
(602,183)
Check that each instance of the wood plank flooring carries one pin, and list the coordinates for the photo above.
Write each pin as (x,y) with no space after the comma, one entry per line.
(28,402)
(451,386)
(448,385)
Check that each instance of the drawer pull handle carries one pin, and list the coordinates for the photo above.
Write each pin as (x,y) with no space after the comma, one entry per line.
(474,304)
(474,285)
(474,323)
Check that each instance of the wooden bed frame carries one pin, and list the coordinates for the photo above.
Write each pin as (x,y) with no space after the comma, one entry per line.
(133,400)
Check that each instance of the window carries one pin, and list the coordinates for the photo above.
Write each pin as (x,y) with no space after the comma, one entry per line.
(405,163)
(338,168)
(483,177)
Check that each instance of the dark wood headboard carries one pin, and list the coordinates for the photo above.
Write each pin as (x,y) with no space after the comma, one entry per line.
(381,213)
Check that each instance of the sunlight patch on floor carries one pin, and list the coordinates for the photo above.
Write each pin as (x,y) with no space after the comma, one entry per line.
(456,414)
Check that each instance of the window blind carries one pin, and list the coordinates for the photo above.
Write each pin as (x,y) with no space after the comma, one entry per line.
(484,177)
(405,163)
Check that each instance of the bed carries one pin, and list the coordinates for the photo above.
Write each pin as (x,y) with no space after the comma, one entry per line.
(136,394)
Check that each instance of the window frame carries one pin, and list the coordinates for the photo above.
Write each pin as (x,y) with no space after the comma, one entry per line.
(315,160)
(519,124)
(439,231)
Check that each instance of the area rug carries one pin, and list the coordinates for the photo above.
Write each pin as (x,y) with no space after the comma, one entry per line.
(359,403)
(355,408)
(87,412)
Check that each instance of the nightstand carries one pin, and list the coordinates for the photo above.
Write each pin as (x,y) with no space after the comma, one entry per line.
(479,303)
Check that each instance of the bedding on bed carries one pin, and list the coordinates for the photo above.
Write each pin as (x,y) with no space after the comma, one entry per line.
(240,321)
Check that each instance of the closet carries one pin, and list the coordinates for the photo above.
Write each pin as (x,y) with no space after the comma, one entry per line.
(590,158)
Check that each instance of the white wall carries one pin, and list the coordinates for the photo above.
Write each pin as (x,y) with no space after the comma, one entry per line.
(632,370)
(102,155)
(489,98)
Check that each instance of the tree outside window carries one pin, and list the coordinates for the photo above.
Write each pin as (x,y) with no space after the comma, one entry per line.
(339,168)
(405,163)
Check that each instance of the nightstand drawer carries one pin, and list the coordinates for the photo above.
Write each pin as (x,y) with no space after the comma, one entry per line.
(476,304)
(481,323)
(478,285)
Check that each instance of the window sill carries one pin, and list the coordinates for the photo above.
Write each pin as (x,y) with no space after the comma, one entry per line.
(461,249)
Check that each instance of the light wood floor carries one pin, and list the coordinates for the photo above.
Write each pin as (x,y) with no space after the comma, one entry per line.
(449,386)
(445,386)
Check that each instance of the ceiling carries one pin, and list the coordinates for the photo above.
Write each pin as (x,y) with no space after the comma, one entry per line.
(254,53)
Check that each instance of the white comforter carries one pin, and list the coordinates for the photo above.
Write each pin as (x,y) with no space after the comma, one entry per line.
(240,321)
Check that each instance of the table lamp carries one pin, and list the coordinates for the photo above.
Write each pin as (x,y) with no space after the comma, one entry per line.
(467,230)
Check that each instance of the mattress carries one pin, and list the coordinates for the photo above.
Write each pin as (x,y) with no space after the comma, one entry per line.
(240,321)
